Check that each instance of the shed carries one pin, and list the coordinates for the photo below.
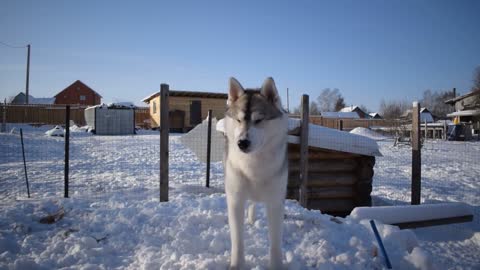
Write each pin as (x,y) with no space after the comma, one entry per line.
(112,119)
(187,108)
(340,168)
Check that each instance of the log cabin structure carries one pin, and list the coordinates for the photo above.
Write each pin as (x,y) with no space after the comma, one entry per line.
(340,169)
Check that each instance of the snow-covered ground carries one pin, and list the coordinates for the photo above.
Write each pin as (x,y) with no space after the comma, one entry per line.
(114,220)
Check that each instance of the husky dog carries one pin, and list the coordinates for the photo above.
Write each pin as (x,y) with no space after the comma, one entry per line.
(256,167)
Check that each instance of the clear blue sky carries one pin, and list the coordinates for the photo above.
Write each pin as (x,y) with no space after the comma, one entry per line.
(368,49)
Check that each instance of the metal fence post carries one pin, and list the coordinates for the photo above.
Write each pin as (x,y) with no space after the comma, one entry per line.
(164,129)
(24,163)
(67,148)
(303,192)
(209,144)
(416,155)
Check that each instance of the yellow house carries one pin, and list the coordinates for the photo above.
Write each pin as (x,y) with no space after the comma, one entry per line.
(187,108)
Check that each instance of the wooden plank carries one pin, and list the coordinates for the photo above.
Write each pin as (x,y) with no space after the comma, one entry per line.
(318,153)
(341,192)
(304,152)
(324,179)
(316,165)
(416,155)
(332,205)
(164,130)
(434,222)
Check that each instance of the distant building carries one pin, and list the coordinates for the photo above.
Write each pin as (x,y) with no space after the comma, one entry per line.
(467,109)
(375,116)
(21,98)
(187,108)
(425,115)
(78,93)
(357,110)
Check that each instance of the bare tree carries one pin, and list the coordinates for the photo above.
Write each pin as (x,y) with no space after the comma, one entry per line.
(340,104)
(393,109)
(314,108)
(435,102)
(364,109)
(329,99)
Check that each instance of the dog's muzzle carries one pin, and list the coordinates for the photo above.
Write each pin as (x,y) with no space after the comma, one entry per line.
(243,145)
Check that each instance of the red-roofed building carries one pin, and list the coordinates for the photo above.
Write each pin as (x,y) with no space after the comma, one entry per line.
(78,93)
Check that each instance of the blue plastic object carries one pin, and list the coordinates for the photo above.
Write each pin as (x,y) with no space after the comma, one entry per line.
(380,243)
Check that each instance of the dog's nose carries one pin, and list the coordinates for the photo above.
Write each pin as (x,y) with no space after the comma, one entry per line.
(243,144)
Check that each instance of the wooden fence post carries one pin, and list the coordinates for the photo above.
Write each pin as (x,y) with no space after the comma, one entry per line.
(4,118)
(67,148)
(445,128)
(426,130)
(341,125)
(416,155)
(209,143)
(303,192)
(164,130)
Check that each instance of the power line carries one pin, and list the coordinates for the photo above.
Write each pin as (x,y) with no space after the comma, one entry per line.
(11,46)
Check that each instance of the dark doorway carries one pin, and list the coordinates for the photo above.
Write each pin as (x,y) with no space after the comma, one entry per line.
(195,112)
(177,119)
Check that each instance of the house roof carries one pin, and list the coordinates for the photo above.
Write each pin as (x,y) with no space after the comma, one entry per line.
(349,109)
(374,114)
(455,99)
(193,94)
(78,81)
(31,99)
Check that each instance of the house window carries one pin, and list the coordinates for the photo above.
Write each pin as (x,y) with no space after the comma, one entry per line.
(154,107)
(83,98)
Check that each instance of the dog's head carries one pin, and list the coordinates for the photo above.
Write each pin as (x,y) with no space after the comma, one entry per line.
(253,117)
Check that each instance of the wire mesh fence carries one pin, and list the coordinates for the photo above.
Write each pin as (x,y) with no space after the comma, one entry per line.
(43,163)
(98,165)
(102,165)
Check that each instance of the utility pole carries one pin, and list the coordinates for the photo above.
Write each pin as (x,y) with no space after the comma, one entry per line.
(28,73)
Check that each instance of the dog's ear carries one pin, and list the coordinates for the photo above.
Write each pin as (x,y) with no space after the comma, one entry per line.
(269,90)
(236,90)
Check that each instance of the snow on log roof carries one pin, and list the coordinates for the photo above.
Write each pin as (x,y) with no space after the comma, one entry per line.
(336,140)
(330,139)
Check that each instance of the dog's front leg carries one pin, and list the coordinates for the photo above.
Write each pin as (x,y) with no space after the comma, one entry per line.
(275,211)
(236,216)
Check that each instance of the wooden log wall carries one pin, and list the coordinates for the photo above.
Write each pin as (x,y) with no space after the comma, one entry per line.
(338,181)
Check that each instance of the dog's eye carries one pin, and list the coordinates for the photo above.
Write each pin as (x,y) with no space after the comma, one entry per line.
(238,120)
(258,121)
